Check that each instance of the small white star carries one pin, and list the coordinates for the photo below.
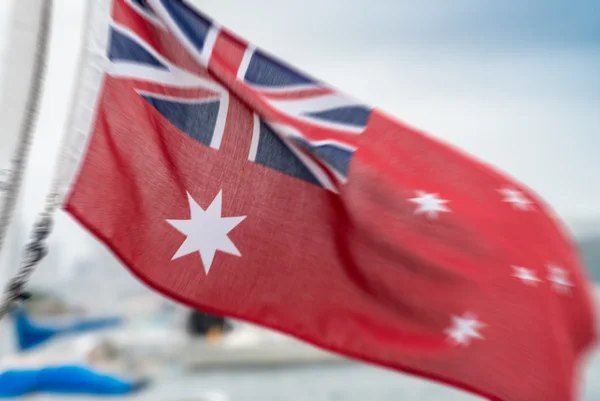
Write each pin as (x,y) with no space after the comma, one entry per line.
(464,329)
(559,278)
(526,275)
(516,198)
(206,231)
(429,204)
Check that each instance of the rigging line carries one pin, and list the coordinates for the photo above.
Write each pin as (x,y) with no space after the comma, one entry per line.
(19,162)
(35,251)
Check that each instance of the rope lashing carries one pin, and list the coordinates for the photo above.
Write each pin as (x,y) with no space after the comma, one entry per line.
(34,252)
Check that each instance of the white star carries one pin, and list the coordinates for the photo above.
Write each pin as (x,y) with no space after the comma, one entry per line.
(559,278)
(464,329)
(526,275)
(429,204)
(206,231)
(516,198)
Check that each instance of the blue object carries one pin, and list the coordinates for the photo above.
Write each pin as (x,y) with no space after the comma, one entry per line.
(70,379)
(30,334)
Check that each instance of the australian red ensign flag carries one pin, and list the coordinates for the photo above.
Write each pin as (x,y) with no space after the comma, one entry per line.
(232,182)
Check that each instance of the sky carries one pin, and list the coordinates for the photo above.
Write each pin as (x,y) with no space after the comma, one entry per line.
(515,83)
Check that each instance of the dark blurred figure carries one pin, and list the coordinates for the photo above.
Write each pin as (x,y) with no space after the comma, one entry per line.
(201,324)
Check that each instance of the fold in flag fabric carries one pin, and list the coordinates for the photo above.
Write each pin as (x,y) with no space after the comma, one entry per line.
(235,184)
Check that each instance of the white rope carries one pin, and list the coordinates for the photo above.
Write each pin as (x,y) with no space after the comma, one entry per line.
(36,249)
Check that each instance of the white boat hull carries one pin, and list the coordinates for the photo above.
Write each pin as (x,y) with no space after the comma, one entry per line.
(203,355)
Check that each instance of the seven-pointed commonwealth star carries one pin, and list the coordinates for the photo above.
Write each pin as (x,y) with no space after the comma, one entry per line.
(516,198)
(464,329)
(206,231)
(429,204)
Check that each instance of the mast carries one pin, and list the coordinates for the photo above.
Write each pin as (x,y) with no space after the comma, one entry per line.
(23,36)
(21,68)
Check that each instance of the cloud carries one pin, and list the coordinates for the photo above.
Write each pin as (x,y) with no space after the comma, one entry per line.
(468,23)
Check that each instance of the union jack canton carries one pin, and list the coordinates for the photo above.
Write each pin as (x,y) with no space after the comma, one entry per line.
(314,136)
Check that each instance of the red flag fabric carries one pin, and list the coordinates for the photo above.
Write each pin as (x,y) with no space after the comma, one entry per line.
(227,180)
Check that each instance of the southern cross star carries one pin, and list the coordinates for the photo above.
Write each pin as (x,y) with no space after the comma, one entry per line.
(464,328)
(429,204)
(526,275)
(559,278)
(516,198)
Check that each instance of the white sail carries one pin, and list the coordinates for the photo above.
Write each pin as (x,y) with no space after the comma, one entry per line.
(19,31)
